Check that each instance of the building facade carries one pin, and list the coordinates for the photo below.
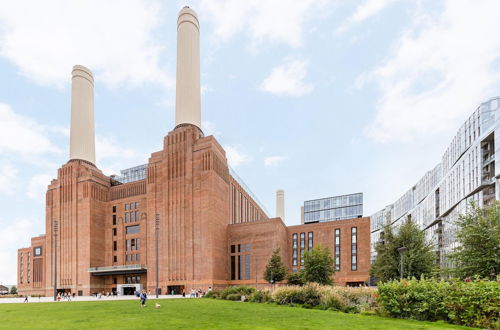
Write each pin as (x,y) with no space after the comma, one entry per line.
(468,171)
(184,220)
(333,208)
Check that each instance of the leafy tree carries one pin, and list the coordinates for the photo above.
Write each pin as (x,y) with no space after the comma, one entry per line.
(318,265)
(13,290)
(275,269)
(296,278)
(418,259)
(479,237)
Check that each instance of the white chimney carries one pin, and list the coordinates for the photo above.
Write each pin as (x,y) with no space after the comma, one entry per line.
(187,101)
(82,138)
(280,204)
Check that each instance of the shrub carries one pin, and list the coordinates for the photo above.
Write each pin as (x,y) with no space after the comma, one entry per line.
(414,299)
(296,278)
(475,304)
(307,295)
(350,300)
(211,294)
(240,290)
(233,297)
(261,297)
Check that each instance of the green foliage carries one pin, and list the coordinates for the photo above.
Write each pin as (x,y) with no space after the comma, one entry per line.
(465,303)
(236,290)
(211,294)
(234,297)
(296,278)
(307,295)
(261,297)
(475,304)
(478,236)
(414,299)
(13,290)
(275,269)
(318,265)
(419,258)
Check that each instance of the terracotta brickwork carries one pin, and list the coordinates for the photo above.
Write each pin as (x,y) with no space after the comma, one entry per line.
(201,209)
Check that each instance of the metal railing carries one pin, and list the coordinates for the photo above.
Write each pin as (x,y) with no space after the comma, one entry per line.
(247,189)
(122,267)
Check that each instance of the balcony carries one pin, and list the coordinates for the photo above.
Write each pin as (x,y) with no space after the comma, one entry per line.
(488,159)
(117,270)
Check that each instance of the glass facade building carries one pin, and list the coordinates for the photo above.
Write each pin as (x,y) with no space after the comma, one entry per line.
(467,172)
(334,208)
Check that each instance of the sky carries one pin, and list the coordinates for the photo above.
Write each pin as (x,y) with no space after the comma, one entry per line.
(319,98)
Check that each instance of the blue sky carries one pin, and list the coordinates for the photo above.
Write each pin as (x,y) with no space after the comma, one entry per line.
(318,98)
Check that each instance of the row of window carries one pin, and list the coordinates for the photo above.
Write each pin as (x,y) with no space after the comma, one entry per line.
(131,279)
(333,202)
(302,246)
(133,257)
(131,216)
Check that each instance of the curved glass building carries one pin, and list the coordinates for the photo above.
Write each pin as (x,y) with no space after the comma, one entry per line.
(468,171)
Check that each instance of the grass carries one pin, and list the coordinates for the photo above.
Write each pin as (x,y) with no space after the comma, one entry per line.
(190,313)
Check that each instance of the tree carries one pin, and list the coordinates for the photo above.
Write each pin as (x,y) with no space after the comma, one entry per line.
(296,278)
(318,265)
(13,290)
(479,237)
(275,269)
(418,259)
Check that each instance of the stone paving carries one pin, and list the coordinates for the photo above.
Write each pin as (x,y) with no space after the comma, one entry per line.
(82,298)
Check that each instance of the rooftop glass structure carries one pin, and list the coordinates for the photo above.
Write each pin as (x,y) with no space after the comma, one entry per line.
(334,208)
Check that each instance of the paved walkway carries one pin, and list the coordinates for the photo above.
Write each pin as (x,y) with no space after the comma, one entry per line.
(82,298)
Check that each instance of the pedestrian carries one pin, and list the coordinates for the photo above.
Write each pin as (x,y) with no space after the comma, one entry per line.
(144,297)
(26,299)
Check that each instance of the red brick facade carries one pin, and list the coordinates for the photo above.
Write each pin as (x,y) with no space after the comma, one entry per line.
(202,211)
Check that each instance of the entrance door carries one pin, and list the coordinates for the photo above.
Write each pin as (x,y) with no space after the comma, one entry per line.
(128,291)
(176,289)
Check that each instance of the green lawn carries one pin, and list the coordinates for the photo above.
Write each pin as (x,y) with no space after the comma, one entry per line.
(189,313)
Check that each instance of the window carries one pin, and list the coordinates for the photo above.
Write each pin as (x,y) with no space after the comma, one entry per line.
(128,245)
(127,217)
(233,267)
(37,251)
(247,266)
(132,229)
(302,247)
(114,209)
(136,215)
(131,206)
(126,207)
(115,259)
(294,249)
(132,257)
(354,249)
(233,248)
(136,205)
(137,257)
(239,248)
(337,250)
(132,244)
(114,219)
(115,281)
(247,247)
(132,216)
(239,267)
(138,243)
(310,241)
(115,246)
(127,257)
(114,231)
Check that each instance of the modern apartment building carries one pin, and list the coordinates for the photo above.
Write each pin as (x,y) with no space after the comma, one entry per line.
(333,208)
(468,171)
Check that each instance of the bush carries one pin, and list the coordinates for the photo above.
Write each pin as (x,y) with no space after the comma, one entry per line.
(296,278)
(240,290)
(211,294)
(414,299)
(349,300)
(261,297)
(475,304)
(466,303)
(307,295)
(233,297)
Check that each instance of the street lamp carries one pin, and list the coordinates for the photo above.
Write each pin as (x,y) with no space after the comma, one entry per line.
(157,225)
(55,259)
(401,251)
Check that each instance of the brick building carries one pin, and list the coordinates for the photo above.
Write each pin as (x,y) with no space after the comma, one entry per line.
(103,233)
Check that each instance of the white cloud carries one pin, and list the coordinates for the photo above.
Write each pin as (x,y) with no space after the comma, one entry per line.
(364,11)
(37,187)
(114,39)
(235,156)
(17,234)
(209,129)
(287,79)
(22,135)
(8,179)
(272,20)
(273,160)
(438,72)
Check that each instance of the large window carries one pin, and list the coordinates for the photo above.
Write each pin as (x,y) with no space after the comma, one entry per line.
(115,246)
(310,241)
(302,247)
(294,249)
(132,229)
(37,251)
(239,267)
(233,268)
(247,267)
(354,249)
(337,250)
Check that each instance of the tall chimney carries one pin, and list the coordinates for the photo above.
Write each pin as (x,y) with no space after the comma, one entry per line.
(187,102)
(82,140)
(280,204)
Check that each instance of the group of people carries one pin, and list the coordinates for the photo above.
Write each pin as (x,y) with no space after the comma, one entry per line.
(197,293)
(65,296)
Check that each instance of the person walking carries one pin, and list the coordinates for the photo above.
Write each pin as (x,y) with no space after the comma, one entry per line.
(143,297)
(26,299)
